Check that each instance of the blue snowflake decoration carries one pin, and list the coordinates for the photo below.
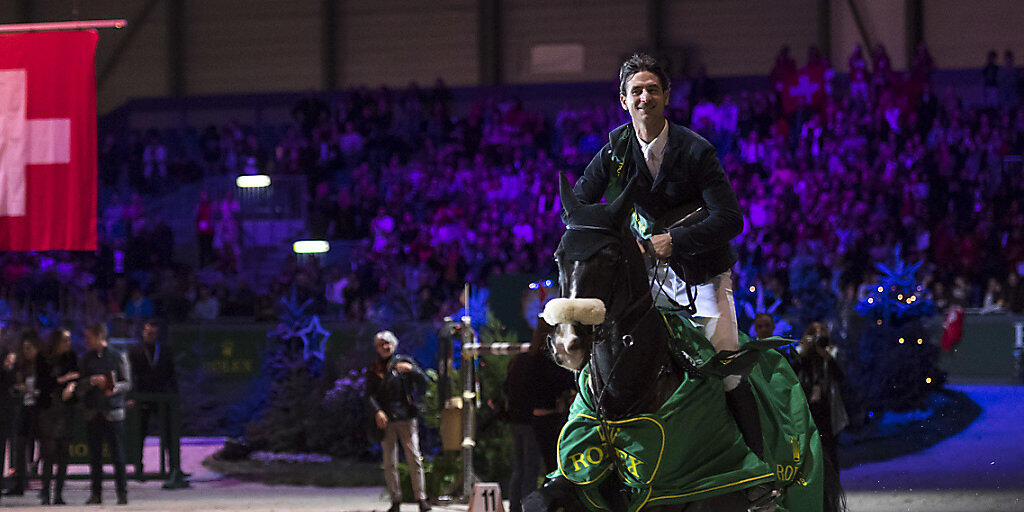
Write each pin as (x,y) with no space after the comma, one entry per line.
(753,304)
(897,294)
(293,311)
(292,317)
(476,307)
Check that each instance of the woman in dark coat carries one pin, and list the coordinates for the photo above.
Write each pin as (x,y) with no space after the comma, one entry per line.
(26,389)
(57,376)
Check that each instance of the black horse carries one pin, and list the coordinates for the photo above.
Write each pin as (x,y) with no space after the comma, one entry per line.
(624,339)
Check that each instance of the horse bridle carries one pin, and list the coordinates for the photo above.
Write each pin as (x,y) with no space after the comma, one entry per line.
(626,339)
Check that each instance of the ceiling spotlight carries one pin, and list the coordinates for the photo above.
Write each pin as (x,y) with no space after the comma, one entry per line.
(253,181)
(311,247)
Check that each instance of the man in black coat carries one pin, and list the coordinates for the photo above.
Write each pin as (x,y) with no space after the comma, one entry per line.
(106,378)
(152,363)
(686,216)
(394,384)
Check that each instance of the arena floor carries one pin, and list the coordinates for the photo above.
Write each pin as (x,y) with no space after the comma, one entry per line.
(979,470)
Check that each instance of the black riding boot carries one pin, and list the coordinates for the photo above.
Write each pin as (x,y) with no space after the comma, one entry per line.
(743,407)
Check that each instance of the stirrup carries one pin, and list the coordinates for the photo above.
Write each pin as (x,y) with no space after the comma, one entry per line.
(761,498)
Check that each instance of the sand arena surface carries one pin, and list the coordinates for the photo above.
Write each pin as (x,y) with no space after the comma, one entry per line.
(979,470)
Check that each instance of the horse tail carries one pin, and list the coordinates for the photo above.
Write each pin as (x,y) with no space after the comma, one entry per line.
(832,488)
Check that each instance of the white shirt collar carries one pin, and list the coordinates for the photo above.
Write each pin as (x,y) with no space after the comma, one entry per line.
(657,146)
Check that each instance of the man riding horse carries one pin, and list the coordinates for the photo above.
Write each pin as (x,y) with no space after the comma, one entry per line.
(665,403)
(678,175)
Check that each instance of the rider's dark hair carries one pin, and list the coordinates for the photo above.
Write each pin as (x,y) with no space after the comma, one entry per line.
(641,62)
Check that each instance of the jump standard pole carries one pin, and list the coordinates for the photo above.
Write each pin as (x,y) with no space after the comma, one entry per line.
(468,407)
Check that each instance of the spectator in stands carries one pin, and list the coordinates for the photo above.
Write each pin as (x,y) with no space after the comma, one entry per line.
(1014,293)
(990,80)
(1008,81)
(154,161)
(207,307)
(917,155)
(204,229)
(139,306)
(58,378)
(994,300)
(784,69)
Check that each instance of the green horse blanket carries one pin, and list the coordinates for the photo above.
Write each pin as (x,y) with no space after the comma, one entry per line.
(691,449)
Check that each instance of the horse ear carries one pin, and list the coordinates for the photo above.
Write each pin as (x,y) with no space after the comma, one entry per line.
(622,206)
(570,202)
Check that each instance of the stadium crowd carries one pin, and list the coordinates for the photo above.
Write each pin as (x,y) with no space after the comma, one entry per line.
(833,173)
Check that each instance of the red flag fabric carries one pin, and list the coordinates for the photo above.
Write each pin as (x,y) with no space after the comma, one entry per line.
(48,141)
(806,88)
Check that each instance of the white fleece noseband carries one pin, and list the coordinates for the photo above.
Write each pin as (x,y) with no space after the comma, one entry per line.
(567,311)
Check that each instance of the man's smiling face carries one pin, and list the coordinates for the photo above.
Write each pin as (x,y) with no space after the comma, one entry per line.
(644,98)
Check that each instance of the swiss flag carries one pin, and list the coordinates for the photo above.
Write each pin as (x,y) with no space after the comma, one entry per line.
(48,141)
(806,88)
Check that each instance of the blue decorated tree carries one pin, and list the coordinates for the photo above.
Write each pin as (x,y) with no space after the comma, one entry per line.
(896,364)
(292,367)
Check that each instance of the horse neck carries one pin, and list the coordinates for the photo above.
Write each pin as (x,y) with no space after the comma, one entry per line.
(633,366)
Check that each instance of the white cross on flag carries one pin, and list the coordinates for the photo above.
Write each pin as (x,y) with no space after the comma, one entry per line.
(48,141)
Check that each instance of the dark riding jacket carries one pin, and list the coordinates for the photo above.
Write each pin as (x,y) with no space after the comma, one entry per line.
(398,394)
(690,177)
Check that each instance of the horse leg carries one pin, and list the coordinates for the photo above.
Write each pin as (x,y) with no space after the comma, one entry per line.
(554,494)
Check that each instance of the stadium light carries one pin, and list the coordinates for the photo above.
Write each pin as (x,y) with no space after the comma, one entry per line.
(253,181)
(311,247)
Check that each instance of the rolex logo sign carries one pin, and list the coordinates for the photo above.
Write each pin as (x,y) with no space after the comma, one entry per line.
(229,361)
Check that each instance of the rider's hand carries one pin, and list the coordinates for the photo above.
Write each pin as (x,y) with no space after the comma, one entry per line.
(403,367)
(662,245)
(381,419)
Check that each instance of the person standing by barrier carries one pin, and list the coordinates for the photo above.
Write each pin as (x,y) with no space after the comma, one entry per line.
(10,406)
(57,375)
(519,390)
(534,389)
(553,393)
(152,363)
(393,383)
(107,379)
(27,389)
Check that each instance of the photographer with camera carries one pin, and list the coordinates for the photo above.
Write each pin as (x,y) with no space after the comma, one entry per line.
(820,378)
